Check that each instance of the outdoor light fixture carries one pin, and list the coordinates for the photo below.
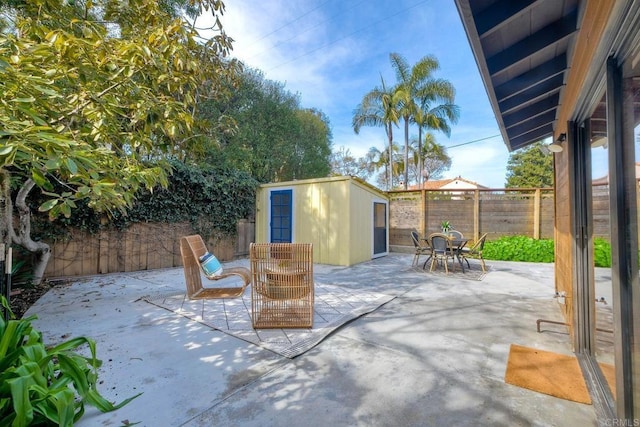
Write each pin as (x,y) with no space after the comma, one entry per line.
(556,147)
(599,141)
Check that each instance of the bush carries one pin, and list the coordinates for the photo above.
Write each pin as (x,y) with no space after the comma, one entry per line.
(519,248)
(601,252)
(45,386)
(210,198)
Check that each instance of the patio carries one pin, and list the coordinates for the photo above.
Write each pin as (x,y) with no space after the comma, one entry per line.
(434,355)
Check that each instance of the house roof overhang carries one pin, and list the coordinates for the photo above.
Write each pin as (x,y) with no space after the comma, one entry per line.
(523,50)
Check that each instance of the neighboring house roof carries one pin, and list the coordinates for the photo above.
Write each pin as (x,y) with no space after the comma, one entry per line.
(604,180)
(457,183)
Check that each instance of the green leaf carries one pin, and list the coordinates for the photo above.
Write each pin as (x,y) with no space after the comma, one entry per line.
(66,210)
(72,166)
(38,177)
(53,164)
(22,405)
(46,90)
(29,112)
(29,99)
(48,205)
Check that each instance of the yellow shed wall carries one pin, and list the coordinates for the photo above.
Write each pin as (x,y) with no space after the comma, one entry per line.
(362,223)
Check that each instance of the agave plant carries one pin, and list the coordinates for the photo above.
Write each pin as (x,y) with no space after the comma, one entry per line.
(45,386)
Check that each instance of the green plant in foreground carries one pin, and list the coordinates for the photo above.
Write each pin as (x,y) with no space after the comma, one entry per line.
(45,386)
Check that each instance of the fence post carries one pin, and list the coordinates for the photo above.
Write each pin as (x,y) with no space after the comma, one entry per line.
(476,215)
(537,200)
(423,217)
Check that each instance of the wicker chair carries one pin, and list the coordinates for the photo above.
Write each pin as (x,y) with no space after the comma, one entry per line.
(454,234)
(282,294)
(475,252)
(442,250)
(421,246)
(191,249)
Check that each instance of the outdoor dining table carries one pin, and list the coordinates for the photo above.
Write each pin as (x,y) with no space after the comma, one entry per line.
(457,244)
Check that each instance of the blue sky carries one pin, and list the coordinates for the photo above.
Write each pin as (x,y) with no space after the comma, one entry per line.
(332,52)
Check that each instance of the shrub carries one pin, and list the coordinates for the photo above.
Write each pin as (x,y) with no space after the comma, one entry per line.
(519,248)
(207,197)
(601,252)
(45,386)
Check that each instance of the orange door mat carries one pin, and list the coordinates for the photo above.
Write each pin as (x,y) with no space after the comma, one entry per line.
(554,374)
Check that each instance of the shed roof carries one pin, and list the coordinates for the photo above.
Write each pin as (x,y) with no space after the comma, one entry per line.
(360,182)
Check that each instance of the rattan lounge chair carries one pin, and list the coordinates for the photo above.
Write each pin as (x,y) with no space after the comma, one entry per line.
(282,294)
(191,249)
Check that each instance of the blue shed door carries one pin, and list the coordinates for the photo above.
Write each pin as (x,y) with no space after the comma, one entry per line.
(281,216)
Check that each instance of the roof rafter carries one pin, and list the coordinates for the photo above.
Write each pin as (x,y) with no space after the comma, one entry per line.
(528,46)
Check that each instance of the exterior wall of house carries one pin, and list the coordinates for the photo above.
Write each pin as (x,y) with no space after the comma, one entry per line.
(335,214)
(593,25)
(564,253)
(459,184)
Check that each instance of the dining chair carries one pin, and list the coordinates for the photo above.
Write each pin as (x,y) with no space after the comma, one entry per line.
(442,250)
(475,251)
(421,246)
(455,234)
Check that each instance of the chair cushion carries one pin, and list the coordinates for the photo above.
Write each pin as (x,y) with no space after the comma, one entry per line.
(210,264)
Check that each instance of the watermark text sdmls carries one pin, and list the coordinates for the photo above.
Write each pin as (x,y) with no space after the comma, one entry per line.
(619,422)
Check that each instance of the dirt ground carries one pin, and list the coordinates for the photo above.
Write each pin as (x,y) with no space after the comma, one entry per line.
(23,298)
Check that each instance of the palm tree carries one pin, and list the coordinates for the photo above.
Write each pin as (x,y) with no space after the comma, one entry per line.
(379,108)
(416,93)
(437,117)
(429,158)
(376,160)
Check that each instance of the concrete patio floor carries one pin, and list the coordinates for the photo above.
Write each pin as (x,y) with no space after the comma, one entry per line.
(435,355)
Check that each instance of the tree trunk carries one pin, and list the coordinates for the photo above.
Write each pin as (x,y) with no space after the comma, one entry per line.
(406,152)
(5,205)
(23,235)
(419,177)
(390,134)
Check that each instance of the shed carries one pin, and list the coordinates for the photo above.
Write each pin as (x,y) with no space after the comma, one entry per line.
(344,217)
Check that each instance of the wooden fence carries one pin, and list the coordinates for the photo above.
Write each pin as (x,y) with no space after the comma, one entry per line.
(498,212)
(143,246)
(503,212)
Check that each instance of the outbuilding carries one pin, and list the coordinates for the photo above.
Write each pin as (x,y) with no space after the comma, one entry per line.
(344,217)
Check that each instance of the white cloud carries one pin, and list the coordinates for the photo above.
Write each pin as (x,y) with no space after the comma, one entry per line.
(334,52)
